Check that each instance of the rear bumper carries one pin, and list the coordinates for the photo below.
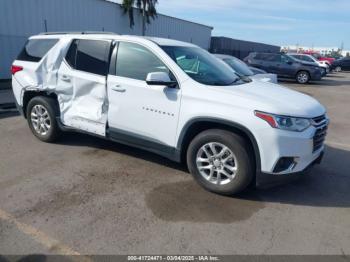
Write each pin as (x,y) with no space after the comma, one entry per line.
(266,180)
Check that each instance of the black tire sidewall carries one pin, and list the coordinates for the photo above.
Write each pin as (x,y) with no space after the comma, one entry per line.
(243,155)
(50,106)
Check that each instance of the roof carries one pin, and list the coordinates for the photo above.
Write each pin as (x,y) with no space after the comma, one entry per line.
(170,42)
(104,35)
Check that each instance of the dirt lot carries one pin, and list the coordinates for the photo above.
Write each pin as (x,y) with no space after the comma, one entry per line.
(85,195)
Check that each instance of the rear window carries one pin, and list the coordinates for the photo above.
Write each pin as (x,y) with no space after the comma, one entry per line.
(35,49)
(90,56)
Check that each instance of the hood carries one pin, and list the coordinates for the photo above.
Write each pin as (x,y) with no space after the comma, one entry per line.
(305,63)
(275,99)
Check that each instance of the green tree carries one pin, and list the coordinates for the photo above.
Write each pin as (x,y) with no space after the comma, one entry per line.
(147,9)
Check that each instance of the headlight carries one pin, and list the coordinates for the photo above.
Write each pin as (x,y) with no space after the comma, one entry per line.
(284,122)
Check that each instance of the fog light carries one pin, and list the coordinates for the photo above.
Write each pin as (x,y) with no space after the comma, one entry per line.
(283,164)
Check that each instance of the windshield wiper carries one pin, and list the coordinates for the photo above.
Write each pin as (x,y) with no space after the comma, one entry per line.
(241,77)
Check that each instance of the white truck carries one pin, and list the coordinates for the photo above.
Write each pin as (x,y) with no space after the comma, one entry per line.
(171,98)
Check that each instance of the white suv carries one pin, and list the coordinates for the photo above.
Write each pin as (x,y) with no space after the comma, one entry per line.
(171,98)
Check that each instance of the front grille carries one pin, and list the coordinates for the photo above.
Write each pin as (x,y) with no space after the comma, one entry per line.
(321,125)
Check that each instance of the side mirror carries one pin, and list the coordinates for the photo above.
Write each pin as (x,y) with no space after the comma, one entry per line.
(160,79)
(289,62)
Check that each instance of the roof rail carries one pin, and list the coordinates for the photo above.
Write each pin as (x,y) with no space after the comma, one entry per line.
(77,33)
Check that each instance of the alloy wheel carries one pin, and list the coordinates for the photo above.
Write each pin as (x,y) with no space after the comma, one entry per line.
(303,77)
(40,119)
(216,163)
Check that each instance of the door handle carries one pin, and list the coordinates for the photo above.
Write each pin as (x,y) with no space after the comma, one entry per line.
(65,78)
(118,88)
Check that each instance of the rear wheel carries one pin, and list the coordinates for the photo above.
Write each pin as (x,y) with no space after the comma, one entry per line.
(41,117)
(303,77)
(220,161)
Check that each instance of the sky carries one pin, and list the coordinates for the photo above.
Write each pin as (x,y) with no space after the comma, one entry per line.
(318,23)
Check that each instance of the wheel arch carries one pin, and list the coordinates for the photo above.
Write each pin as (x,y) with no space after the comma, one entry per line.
(303,70)
(30,94)
(196,125)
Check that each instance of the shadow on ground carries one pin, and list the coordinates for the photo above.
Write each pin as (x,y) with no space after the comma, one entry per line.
(326,185)
(9,113)
(76,139)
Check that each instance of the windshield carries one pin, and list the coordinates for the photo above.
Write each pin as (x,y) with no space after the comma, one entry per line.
(288,58)
(240,67)
(316,55)
(201,66)
(311,58)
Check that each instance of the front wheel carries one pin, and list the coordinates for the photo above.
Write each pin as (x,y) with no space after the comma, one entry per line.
(337,69)
(41,117)
(303,77)
(220,161)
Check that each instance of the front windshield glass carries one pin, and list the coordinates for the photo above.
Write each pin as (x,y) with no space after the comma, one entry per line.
(239,66)
(202,66)
(288,58)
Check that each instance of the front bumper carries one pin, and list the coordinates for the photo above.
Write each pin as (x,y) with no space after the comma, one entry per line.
(266,180)
(316,75)
(300,149)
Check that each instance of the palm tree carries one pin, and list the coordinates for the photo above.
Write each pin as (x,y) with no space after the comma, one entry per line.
(147,10)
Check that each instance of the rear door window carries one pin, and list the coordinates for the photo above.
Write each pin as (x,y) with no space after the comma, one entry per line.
(92,56)
(35,49)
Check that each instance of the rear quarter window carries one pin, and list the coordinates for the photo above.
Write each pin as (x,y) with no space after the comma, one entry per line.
(35,49)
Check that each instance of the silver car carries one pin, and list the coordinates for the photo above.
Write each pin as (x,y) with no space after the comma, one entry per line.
(242,69)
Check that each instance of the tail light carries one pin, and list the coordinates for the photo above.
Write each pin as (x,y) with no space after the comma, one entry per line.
(15,69)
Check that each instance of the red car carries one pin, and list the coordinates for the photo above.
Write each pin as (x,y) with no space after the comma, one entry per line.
(318,56)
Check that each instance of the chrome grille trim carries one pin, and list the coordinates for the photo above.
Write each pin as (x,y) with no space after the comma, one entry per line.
(321,125)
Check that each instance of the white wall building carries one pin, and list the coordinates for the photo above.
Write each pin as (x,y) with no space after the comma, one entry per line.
(321,50)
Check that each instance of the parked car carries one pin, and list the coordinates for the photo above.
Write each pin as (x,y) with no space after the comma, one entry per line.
(310,58)
(342,64)
(171,98)
(257,70)
(242,69)
(318,56)
(285,66)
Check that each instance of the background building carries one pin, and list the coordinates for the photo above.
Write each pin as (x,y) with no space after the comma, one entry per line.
(20,19)
(239,48)
(322,50)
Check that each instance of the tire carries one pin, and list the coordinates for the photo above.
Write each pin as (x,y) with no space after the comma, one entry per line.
(41,117)
(241,158)
(303,77)
(337,69)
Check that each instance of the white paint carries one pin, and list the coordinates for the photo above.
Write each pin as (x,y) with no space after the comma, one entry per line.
(159,113)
